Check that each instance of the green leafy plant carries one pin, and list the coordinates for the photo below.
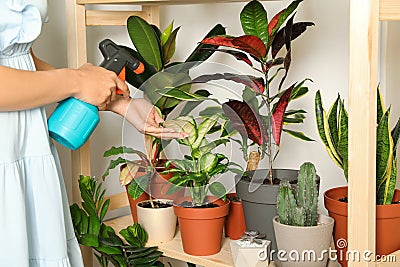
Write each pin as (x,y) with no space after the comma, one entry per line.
(333,131)
(155,49)
(262,115)
(196,170)
(91,231)
(130,168)
(298,207)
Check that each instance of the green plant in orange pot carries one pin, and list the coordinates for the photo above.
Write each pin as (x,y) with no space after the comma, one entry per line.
(333,129)
(201,217)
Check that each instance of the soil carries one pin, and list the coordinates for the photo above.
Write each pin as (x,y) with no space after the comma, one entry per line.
(233,198)
(345,200)
(157,205)
(277,181)
(187,204)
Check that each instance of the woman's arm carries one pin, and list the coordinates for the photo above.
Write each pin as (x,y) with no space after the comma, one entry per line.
(21,89)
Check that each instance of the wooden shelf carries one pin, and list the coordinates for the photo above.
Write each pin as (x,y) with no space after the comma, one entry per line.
(173,249)
(154,2)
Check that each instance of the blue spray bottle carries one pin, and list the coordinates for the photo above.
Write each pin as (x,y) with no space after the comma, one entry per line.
(73,121)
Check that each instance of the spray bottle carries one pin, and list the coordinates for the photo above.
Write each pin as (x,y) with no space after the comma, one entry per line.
(73,121)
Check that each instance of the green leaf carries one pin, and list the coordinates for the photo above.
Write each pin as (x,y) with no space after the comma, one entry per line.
(385,192)
(89,240)
(166,33)
(109,250)
(380,109)
(250,97)
(299,135)
(203,129)
(191,105)
(384,150)
(254,20)
(104,209)
(202,52)
(180,95)
(333,122)
(94,225)
(210,146)
(145,40)
(75,214)
(395,135)
(168,49)
(138,185)
(185,124)
(280,18)
(343,137)
(150,259)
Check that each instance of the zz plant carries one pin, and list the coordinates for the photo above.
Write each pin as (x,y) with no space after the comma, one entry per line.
(91,231)
(196,170)
(298,207)
(333,131)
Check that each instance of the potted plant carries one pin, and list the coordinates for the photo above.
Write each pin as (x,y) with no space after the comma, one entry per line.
(263,114)
(201,217)
(333,130)
(109,247)
(235,224)
(155,50)
(136,176)
(300,232)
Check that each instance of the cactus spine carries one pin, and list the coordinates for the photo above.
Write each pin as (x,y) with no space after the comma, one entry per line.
(299,207)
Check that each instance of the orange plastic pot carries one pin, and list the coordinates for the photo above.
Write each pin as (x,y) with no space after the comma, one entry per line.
(387,223)
(235,225)
(142,197)
(201,228)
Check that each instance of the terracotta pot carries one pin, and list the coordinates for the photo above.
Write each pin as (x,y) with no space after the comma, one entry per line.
(387,223)
(235,225)
(201,228)
(159,184)
(150,218)
(303,239)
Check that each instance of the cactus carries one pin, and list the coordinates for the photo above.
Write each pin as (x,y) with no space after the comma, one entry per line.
(299,207)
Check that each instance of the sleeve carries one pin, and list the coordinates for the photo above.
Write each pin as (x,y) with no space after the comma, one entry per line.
(20,23)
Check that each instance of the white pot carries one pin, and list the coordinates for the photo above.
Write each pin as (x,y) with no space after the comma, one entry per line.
(160,224)
(300,246)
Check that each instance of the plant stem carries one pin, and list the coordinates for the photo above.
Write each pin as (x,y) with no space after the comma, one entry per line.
(269,128)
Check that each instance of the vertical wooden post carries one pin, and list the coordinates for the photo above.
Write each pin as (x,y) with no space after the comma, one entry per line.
(364,28)
(77,55)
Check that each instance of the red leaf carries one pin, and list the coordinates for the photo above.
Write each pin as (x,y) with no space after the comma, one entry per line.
(255,83)
(246,121)
(274,21)
(279,113)
(251,44)
(220,40)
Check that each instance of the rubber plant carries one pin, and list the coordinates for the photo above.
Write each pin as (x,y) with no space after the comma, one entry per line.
(262,114)
(333,130)
(155,49)
(196,170)
(108,247)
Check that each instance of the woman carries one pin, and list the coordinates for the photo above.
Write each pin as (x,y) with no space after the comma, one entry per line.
(35,223)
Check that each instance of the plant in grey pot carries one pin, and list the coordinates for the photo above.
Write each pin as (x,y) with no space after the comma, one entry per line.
(263,113)
(303,237)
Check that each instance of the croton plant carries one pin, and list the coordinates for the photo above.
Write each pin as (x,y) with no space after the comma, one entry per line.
(262,114)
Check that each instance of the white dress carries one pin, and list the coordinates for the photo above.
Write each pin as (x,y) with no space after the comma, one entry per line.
(35,222)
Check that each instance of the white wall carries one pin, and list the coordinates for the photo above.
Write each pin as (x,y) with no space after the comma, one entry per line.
(321,54)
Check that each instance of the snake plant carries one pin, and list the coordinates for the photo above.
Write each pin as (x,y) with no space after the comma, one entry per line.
(333,131)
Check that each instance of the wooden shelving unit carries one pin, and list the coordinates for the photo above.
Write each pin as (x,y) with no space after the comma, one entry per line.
(364,32)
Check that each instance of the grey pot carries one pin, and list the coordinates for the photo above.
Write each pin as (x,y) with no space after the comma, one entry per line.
(302,246)
(259,206)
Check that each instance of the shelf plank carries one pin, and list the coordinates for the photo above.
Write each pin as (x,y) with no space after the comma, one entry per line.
(154,2)
(389,10)
(113,18)
(363,62)
(173,248)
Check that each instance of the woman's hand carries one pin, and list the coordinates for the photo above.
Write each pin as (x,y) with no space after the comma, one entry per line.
(142,114)
(97,86)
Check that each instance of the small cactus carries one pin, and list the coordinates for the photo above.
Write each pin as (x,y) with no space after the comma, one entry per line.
(299,207)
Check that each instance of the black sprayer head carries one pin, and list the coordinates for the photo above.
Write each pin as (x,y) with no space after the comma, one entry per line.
(116,58)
